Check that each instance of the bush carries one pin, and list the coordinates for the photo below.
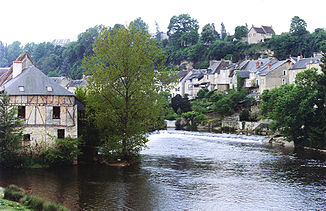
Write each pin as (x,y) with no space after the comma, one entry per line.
(33,202)
(50,206)
(244,115)
(13,193)
(63,153)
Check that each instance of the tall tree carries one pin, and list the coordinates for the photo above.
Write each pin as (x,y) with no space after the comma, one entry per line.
(209,34)
(298,26)
(182,29)
(10,132)
(140,24)
(223,31)
(240,32)
(123,78)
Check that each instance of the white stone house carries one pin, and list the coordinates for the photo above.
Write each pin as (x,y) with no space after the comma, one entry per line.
(260,34)
(47,109)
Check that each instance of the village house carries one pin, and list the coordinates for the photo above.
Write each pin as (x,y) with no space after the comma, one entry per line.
(301,64)
(179,86)
(73,84)
(193,82)
(249,70)
(260,34)
(274,75)
(47,109)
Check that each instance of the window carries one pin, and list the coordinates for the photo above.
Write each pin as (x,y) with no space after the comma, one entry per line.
(61,133)
(27,137)
(21,112)
(56,112)
(49,88)
(283,81)
(284,72)
(21,88)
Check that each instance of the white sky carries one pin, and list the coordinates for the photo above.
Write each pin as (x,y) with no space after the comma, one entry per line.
(44,20)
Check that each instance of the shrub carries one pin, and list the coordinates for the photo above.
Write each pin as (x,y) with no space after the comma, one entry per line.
(244,115)
(13,193)
(33,202)
(51,206)
(63,153)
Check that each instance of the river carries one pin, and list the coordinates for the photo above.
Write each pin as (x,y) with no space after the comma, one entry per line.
(188,171)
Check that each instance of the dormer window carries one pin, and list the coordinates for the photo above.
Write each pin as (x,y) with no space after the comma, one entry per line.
(21,88)
(49,88)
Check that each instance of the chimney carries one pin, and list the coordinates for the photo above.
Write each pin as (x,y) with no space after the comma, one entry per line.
(257,63)
(84,77)
(298,58)
(17,68)
(269,66)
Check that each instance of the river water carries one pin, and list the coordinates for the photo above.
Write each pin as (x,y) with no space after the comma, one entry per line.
(188,171)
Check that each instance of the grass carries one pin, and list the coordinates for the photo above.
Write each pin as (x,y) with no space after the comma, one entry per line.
(26,202)
(10,205)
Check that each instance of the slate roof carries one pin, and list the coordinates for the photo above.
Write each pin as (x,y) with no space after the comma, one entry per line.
(57,79)
(264,30)
(3,70)
(182,74)
(35,82)
(75,83)
(251,65)
(196,74)
(275,65)
(268,29)
(216,66)
(243,73)
(302,63)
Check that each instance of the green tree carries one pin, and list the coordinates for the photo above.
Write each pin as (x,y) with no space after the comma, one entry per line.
(240,32)
(209,34)
(10,132)
(298,26)
(299,111)
(182,30)
(140,24)
(223,31)
(123,78)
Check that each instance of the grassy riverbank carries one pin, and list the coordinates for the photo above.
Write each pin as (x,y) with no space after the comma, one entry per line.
(16,198)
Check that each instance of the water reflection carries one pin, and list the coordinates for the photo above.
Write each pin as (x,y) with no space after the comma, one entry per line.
(188,171)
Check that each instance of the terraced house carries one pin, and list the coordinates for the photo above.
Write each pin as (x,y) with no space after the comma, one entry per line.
(48,110)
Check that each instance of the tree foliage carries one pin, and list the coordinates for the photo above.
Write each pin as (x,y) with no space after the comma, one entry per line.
(10,132)
(123,78)
(298,111)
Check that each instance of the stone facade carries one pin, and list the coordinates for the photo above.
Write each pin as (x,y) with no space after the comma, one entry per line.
(275,78)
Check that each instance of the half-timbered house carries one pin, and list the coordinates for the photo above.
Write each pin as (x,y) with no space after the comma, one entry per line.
(48,110)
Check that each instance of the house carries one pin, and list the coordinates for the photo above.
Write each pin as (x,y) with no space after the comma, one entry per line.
(274,75)
(260,34)
(47,109)
(73,84)
(301,64)
(249,70)
(61,80)
(193,82)
(224,76)
(179,86)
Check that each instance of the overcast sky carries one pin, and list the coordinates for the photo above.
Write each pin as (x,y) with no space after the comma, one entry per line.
(43,20)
